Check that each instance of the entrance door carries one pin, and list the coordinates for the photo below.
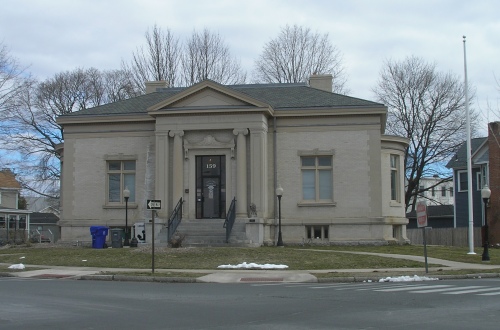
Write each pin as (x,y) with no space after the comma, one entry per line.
(210,187)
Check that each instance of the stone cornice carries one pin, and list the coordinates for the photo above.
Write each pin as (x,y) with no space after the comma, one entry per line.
(209,142)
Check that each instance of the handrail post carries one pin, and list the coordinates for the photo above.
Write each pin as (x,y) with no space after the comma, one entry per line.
(174,220)
(230,218)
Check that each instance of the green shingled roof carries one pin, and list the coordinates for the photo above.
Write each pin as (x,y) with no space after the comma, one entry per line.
(279,96)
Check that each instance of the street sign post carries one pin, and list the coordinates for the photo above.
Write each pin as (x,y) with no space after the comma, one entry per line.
(422,223)
(153,204)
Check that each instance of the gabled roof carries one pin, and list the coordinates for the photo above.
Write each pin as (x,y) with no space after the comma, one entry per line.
(277,96)
(8,180)
(43,218)
(459,160)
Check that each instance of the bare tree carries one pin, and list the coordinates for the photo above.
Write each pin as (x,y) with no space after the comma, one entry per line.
(427,107)
(32,132)
(296,54)
(11,77)
(158,61)
(206,56)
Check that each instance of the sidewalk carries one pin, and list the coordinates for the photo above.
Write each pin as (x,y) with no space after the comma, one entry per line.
(249,276)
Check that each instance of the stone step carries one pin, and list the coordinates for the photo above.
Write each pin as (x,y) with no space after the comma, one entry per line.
(207,232)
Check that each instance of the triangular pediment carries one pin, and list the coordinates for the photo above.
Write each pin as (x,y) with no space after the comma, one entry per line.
(208,94)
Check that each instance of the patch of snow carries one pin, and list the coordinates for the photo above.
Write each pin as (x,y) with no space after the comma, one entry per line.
(22,257)
(17,266)
(245,265)
(414,278)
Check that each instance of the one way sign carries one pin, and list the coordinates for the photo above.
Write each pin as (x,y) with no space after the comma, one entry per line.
(154,204)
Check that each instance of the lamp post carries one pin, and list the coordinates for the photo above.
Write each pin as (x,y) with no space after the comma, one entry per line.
(279,193)
(126,195)
(485,194)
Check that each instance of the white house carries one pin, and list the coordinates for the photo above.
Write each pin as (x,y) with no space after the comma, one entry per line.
(436,192)
(208,144)
(14,223)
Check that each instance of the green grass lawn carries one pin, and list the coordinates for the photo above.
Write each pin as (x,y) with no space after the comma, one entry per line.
(296,258)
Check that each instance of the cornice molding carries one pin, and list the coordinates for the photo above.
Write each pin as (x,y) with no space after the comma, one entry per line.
(208,142)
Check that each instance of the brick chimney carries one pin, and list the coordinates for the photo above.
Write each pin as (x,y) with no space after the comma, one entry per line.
(323,82)
(494,182)
(152,86)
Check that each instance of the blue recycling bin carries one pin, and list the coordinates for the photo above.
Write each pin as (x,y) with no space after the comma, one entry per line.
(99,234)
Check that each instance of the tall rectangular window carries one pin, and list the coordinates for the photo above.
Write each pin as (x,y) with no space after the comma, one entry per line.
(462,181)
(121,175)
(443,191)
(317,178)
(395,178)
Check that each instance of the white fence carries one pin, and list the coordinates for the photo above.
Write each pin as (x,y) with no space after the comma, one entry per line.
(444,236)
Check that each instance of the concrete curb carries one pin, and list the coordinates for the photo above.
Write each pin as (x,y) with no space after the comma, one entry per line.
(6,275)
(340,279)
(348,279)
(131,278)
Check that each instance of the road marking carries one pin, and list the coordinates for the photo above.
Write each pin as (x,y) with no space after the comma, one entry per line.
(490,294)
(472,291)
(446,289)
(411,287)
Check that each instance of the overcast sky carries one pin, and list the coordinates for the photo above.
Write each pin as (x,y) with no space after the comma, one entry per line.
(53,36)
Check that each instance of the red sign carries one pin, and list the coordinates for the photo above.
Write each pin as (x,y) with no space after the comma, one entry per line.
(422,214)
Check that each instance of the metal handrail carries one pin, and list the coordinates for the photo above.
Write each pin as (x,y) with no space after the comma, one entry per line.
(230,218)
(174,220)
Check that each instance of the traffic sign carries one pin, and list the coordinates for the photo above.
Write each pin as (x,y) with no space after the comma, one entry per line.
(422,214)
(154,204)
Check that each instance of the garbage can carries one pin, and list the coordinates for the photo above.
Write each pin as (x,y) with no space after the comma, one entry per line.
(99,234)
(116,237)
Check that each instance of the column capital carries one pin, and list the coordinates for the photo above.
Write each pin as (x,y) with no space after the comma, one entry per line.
(238,131)
(174,133)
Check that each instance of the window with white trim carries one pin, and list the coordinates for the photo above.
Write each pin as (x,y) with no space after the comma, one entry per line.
(462,181)
(394,160)
(317,178)
(120,175)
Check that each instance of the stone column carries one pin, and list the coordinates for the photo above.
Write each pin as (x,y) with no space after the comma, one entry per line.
(161,172)
(178,167)
(241,173)
(258,171)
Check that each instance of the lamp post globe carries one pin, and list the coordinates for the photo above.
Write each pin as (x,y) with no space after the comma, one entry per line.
(485,195)
(126,196)
(279,194)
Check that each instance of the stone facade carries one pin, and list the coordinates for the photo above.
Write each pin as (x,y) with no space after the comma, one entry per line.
(210,143)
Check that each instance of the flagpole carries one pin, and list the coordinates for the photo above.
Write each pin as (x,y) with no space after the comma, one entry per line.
(469,160)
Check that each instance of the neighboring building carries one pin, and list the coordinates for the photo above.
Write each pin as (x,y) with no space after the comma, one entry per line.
(209,143)
(436,192)
(44,227)
(14,223)
(480,161)
(43,204)
(44,220)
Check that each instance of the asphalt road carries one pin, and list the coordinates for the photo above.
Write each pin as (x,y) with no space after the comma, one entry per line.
(70,304)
